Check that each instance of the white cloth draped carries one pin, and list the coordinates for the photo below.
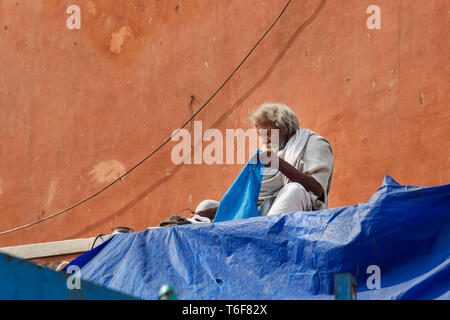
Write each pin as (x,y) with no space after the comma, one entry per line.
(309,153)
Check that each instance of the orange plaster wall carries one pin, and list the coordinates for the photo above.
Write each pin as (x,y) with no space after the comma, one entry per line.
(80,107)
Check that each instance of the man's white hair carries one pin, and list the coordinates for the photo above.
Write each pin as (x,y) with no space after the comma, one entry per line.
(278,115)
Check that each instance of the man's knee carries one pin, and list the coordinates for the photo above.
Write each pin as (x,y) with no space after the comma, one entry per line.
(294,187)
(295,193)
(207,204)
(292,197)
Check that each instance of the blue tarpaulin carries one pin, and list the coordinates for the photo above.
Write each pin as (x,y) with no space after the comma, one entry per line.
(239,202)
(404,231)
(24,280)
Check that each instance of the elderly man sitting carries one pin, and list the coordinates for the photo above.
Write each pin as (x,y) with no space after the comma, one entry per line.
(305,165)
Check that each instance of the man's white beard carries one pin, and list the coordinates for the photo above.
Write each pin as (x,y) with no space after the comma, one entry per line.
(273,146)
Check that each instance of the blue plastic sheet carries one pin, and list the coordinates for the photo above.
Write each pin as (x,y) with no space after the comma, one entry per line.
(403,230)
(240,201)
(24,280)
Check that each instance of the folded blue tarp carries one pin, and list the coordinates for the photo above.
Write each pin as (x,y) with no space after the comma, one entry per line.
(240,200)
(402,230)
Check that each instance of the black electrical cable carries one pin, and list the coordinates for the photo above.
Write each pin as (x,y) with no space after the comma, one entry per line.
(100,235)
(165,141)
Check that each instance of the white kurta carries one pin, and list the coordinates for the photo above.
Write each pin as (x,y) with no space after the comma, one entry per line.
(309,153)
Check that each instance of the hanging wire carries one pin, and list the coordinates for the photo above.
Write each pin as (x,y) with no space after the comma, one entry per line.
(167,140)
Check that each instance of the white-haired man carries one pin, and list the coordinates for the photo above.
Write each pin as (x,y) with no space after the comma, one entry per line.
(304,160)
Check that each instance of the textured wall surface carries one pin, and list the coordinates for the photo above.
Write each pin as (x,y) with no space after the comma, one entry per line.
(80,107)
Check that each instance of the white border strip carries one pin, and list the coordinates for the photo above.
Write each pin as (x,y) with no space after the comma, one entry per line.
(48,249)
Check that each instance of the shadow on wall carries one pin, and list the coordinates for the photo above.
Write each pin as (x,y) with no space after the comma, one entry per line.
(221,118)
(128,206)
(274,64)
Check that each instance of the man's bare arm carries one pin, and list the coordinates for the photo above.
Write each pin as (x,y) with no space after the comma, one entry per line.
(308,182)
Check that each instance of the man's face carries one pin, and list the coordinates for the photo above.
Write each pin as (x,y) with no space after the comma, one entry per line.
(266,131)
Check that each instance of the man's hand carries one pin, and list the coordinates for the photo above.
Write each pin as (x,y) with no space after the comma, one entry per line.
(266,157)
(309,183)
